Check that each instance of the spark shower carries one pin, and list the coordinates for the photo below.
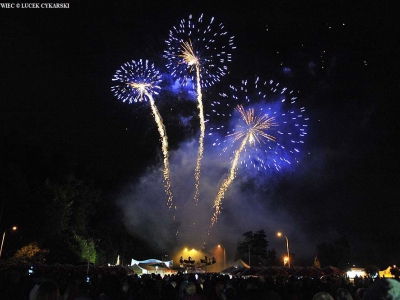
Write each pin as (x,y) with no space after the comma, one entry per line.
(266,129)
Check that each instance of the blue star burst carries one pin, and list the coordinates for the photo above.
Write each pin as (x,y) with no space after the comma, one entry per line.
(135,80)
(266,99)
(207,43)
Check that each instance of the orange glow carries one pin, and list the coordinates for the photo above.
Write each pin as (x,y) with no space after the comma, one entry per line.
(285,260)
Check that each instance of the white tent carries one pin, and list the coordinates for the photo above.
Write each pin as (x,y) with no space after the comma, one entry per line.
(150,266)
(168,263)
(237,266)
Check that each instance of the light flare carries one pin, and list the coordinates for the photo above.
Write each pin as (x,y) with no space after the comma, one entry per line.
(141,88)
(188,55)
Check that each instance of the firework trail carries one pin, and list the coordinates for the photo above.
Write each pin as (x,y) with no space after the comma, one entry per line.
(254,130)
(196,51)
(137,82)
(270,137)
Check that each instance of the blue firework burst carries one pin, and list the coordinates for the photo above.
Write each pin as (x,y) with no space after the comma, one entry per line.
(135,80)
(198,43)
(265,99)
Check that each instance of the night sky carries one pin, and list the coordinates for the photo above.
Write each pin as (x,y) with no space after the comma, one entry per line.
(56,71)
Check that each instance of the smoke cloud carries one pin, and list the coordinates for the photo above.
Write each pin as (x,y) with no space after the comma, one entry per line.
(250,204)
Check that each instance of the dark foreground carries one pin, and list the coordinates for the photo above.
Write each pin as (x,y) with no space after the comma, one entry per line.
(119,283)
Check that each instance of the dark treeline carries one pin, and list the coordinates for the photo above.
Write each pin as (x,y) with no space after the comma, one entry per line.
(58,212)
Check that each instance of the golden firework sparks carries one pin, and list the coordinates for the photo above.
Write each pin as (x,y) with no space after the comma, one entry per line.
(254,131)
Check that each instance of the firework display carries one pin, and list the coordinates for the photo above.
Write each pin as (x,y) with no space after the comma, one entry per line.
(197,52)
(267,134)
(198,44)
(137,82)
(255,124)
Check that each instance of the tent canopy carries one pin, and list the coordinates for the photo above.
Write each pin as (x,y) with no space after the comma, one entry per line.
(235,267)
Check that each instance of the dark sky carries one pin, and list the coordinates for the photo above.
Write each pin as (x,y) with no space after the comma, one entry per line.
(56,70)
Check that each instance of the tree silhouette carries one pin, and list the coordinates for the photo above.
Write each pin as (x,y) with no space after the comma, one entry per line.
(254,248)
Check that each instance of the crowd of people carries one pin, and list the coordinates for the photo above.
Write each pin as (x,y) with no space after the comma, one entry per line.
(209,286)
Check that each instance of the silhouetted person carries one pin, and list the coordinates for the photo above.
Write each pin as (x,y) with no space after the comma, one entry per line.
(111,288)
(343,294)
(383,289)
(84,291)
(323,296)
(360,293)
(48,290)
